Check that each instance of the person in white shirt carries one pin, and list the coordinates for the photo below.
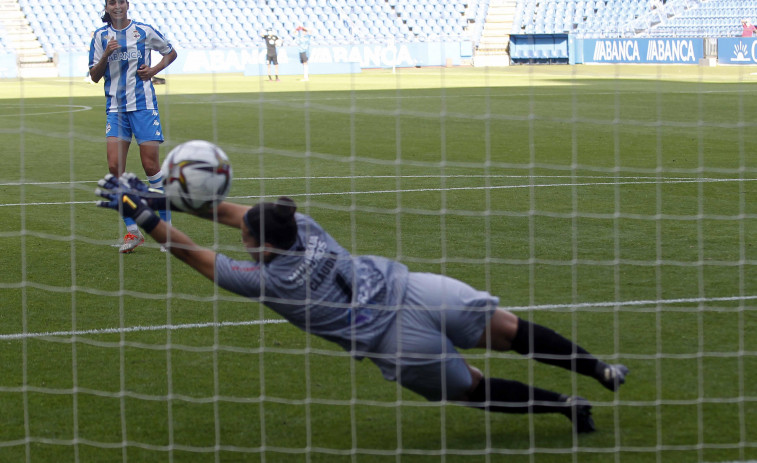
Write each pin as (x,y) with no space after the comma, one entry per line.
(120,53)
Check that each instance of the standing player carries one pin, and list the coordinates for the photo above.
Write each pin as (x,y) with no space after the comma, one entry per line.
(303,45)
(120,52)
(409,324)
(271,42)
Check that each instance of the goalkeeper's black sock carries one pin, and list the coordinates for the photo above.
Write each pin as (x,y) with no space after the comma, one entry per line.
(506,396)
(547,346)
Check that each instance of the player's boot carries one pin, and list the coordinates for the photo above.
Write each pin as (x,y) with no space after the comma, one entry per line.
(131,241)
(579,412)
(611,376)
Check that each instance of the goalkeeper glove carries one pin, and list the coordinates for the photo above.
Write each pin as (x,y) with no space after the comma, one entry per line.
(155,198)
(127,201)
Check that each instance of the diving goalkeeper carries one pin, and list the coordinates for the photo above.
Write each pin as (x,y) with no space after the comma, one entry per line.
(409,324)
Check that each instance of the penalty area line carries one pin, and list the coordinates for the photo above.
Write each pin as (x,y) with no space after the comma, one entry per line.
(135,329)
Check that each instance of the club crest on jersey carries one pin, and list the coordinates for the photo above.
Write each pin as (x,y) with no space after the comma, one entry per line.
(136,34)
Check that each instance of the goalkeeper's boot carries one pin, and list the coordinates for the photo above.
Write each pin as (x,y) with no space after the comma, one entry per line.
(131,241)
(579,413)
(611,376)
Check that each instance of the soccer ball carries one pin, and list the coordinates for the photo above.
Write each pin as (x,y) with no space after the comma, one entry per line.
(197,176)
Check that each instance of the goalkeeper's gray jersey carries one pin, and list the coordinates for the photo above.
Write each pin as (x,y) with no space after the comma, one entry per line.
(318,286)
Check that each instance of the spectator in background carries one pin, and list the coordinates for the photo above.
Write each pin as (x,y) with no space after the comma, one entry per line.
(656,6)
(271,42)
(303,45)
(748,28)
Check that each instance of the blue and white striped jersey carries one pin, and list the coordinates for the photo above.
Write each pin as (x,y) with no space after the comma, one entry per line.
(124,90)
(322,289)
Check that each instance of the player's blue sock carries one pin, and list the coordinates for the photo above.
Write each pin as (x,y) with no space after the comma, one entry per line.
(131,225)
(156,182)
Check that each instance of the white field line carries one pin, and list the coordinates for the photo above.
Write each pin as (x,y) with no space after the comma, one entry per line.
(610,181)
(580,306)
(138,328)
(635,180)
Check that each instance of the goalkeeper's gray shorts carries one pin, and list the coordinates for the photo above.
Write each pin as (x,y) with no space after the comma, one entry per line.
(439,314)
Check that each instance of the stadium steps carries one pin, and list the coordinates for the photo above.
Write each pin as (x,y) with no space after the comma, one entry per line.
(32,60)
(492,49)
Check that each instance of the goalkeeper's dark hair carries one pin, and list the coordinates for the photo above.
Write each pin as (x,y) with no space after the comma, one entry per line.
(273,222)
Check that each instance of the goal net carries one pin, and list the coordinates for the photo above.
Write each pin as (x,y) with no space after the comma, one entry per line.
(613,204)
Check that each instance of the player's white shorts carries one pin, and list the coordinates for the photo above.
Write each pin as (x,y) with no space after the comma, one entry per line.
(419,349)
(143,124)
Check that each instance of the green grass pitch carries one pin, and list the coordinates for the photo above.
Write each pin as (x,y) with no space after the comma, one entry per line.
(614,204)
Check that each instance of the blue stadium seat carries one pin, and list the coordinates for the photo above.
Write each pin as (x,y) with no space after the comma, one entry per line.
(76,20)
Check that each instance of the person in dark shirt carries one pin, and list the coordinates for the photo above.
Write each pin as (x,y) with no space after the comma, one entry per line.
(271,42)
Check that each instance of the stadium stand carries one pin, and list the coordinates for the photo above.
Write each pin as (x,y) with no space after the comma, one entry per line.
(583,17)
(68,24)
(714,18)
(628,18)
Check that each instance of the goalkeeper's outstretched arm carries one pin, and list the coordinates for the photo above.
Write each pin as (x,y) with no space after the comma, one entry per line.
(131,198)
(183,248)
(227,213)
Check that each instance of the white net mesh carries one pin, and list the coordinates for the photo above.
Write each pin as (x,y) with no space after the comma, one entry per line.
(612,204)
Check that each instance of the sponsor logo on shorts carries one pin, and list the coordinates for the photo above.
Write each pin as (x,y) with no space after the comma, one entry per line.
(107,128)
